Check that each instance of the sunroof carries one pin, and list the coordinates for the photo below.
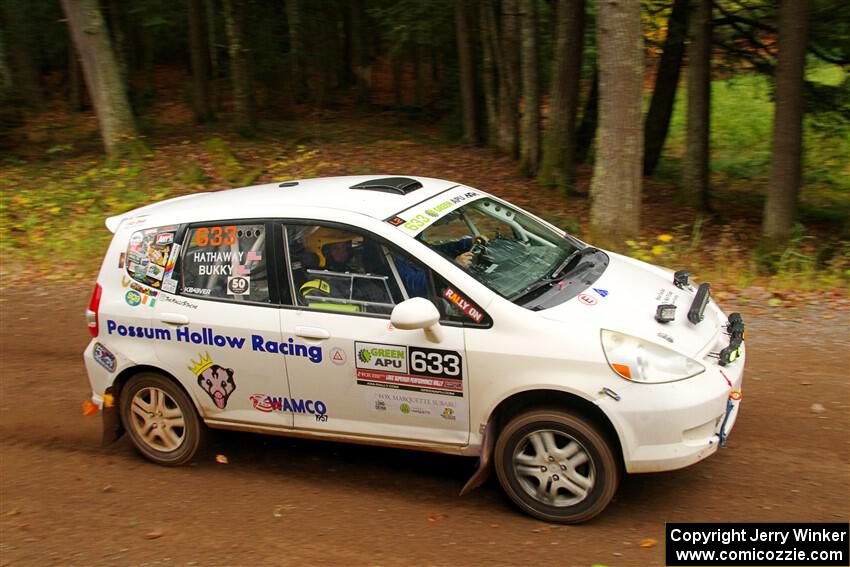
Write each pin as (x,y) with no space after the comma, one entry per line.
(397,185)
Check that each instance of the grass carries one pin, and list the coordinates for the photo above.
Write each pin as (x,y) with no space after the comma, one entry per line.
(741,139)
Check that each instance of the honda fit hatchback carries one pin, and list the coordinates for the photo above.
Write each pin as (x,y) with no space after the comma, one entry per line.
(409,312)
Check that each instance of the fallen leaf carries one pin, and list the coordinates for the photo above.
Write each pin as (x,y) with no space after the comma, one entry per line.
(108,400)
(435,517)
(221,459)
(818,408)
(153,534)
(648,542)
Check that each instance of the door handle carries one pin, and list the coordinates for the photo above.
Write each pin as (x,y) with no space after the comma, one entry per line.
(312,333)
(174,318)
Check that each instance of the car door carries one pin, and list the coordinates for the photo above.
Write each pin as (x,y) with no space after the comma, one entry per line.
(360,375)
(220,309)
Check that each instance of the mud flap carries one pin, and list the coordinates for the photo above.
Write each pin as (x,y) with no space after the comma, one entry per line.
(484,469)
(113,429)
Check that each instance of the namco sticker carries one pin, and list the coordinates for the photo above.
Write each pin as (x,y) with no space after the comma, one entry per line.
(587,299)
(338,356)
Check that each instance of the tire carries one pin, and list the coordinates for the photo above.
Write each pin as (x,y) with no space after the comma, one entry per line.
(556,466)
(161,420)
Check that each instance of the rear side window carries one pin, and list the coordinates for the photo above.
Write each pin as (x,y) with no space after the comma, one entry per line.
(226,261)
(151,255)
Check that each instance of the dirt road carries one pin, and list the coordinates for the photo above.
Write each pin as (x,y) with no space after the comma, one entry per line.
(64,500)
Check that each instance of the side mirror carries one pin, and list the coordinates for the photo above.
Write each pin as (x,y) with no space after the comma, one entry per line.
(418,313)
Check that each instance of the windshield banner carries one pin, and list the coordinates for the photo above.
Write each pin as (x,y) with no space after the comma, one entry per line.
(415,219)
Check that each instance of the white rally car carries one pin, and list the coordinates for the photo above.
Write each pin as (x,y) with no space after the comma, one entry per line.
(408,312)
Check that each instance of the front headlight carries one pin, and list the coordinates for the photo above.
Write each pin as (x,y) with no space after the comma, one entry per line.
(638,360)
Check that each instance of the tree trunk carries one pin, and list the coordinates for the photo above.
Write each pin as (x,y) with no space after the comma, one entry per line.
(557,166)
(75,80)
(466,59)
(616,187)
(298,71)
(694,189)
(91,37)
(397,63)
(359,52)
(21,49)
(529,159)
(589,120)
(212,49)
(657,120)
(780,209)
(240,73)
(507,60)
(6,81)
(201,96)
(488,70)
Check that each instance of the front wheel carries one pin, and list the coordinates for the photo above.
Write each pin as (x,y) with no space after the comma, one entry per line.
(161,419)
(556,466)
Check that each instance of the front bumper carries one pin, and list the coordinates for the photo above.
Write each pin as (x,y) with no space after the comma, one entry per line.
(670,426)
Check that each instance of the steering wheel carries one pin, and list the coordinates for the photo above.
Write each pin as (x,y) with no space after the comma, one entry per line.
(478,249)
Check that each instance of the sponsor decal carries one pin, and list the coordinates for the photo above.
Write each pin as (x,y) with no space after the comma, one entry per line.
(337,356)
(121,260)
(196,290)
(147,296)
(136,239)
(164,238)
(238,285)
(587,299)
(267,404)
(133,298)
(416,406)
(155,271)
(409,368)
(133,222)
(374,356)
(463,304)
(213,379)
(180,302)
(172,260)
(103,357)
(169,285)
(602,292)
(667,296)
(208,337)
(666,337)
(414,221)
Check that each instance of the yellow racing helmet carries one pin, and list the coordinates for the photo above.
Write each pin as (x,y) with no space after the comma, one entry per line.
(322,236)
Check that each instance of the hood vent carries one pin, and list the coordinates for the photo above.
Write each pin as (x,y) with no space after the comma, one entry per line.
(396,185)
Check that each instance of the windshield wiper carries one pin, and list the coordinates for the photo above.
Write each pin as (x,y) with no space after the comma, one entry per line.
(558,274)
(568,262)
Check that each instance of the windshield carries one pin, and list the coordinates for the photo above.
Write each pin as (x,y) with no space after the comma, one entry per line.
(510,251)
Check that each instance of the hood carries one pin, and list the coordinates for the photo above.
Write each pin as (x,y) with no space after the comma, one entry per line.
(625,298)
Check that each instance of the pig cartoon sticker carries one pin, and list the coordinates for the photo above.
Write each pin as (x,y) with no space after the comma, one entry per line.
(215,380)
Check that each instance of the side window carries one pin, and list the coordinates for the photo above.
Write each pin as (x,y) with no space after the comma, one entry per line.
(226,261)
(151,255)
(341,270)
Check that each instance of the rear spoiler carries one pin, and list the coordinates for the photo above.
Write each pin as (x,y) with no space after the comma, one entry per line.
(112,223)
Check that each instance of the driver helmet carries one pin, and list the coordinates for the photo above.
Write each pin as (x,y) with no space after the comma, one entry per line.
(317,241)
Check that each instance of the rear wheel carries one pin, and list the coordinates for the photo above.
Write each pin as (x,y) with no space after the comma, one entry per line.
(161,419)
(556,466)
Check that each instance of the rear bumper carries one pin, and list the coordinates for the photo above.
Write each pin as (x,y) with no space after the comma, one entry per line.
(670,426)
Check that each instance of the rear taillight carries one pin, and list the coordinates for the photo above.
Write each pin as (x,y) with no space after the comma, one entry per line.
(91,312)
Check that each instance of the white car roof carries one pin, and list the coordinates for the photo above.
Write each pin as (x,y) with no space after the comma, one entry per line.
(273,199)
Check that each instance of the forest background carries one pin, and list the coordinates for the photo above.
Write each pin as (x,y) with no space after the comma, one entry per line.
(700,134)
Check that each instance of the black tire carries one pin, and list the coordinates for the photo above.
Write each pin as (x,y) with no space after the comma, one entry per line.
(153,408)
(581,471)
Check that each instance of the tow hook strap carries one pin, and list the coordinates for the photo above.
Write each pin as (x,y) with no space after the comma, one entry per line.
(734,396)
